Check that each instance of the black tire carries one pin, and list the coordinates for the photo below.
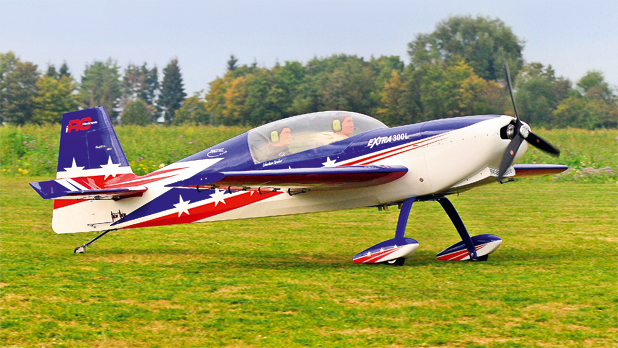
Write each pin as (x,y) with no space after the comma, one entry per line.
(396,262)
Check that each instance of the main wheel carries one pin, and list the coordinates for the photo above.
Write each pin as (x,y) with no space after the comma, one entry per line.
(397,262)
(80,250)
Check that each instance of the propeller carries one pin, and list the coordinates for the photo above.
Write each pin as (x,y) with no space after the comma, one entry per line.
(518,132)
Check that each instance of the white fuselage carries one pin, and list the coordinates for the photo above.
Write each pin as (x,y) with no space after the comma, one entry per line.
(447,161)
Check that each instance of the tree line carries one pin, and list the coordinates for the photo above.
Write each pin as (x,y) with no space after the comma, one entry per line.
(456,70)
(136,97)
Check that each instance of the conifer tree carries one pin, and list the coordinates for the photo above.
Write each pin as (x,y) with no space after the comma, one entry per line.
(172,91)
(101,86)
(231,64)
(51,71)
(64,71)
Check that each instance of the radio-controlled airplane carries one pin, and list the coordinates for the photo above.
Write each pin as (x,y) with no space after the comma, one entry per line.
(315,162)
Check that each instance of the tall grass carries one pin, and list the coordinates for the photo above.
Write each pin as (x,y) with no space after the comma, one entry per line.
(592,155)
(32,150)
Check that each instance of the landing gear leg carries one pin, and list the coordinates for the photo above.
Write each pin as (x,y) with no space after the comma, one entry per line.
(404,214)
(82,248)
(402,222)
(392,251)
(459,225)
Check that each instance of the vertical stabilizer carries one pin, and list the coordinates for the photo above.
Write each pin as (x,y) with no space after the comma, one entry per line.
(89,146)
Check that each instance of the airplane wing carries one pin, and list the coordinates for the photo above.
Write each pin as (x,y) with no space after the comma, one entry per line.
(522,170)
(518,171)
(314,178)
(66,188)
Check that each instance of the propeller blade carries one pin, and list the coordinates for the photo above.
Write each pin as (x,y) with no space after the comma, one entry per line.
(510,85)
(518,138)
(509,155)
(542,144)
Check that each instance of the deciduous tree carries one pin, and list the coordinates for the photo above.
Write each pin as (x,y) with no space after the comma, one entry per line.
(593,105)
(484,43)
(17,90)
(339,82)
(539,92)
(451,90)
(192,111)
(393,109)
(54,97)
(137,112)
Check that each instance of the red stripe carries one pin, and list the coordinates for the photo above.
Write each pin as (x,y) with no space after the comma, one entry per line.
(206,210)
(389,151)
(373,257)
(382,255)
(60,203)
(534,172)
(453,255)
(394,154)
(458,255)
(98,182)
(139,183)
(135,177)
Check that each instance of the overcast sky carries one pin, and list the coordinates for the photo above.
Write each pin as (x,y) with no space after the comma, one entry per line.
(573,36)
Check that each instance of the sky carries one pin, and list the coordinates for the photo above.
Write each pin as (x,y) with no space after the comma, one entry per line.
(573,36)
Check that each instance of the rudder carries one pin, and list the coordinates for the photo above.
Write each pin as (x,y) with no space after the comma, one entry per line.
(89,146)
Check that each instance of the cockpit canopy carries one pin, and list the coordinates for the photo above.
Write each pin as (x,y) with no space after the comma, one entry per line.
(304,132)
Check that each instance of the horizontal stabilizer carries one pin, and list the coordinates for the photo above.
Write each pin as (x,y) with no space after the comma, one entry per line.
(66,188)
(315,178)
(522,170)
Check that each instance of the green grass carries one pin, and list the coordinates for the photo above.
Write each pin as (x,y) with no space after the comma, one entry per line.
(290,281)
(592,155)
(33,150)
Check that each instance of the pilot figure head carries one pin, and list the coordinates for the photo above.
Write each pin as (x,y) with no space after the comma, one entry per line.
(281,138)
(343,124)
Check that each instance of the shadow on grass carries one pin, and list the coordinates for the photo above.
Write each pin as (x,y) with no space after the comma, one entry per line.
(260,260)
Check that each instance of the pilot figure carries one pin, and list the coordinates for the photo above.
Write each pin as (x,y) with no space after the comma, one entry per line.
(342,125)
(278,145)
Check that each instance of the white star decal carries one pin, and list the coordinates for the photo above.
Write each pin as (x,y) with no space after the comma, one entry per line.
(74,170)
(218,196)
(182,206)
(110,168)
(329,162)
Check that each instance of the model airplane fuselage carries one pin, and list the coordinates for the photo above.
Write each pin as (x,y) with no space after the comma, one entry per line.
(322,161)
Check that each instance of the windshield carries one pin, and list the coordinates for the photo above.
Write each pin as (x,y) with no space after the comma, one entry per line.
(300,133)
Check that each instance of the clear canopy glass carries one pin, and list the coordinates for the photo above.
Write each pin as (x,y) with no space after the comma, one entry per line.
(300,133)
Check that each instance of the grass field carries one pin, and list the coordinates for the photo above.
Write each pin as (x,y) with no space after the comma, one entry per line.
(290,281)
